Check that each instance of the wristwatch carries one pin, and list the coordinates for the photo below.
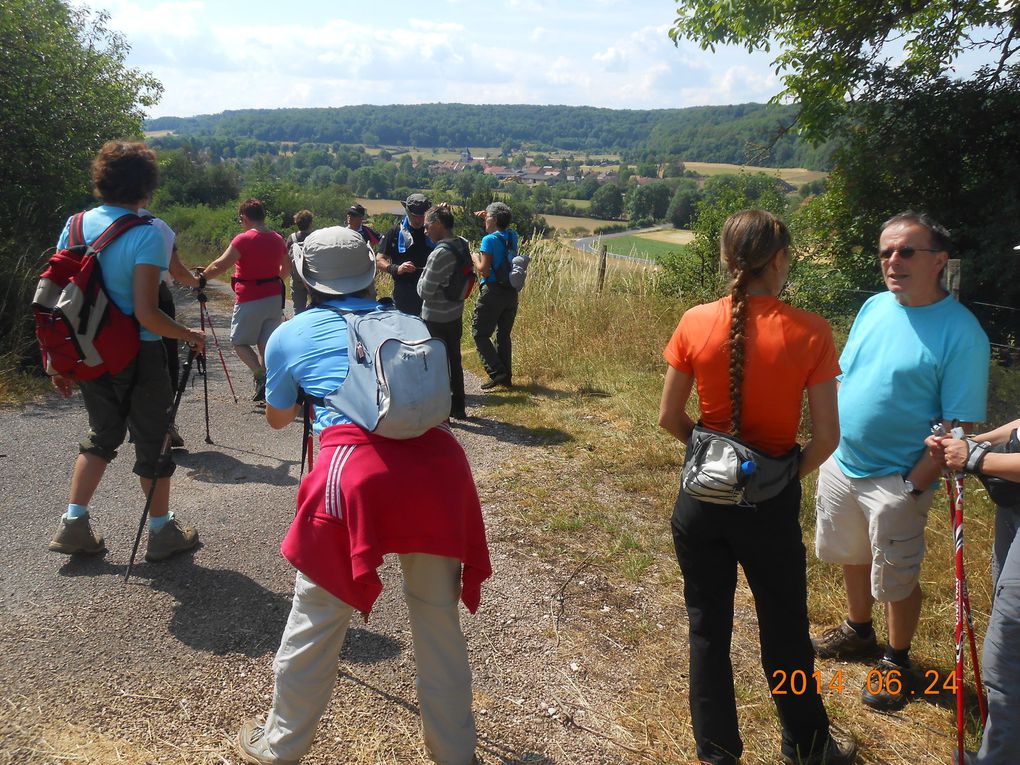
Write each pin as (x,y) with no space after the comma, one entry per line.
(909,486)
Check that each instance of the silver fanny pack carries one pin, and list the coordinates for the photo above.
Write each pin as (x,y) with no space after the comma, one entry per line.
(723,470)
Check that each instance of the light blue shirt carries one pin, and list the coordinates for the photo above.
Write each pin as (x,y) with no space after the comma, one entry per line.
(143,245)
(902,368)
(310,352)
(501,245)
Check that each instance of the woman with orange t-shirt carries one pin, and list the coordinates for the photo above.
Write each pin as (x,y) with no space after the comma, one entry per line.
(752,358)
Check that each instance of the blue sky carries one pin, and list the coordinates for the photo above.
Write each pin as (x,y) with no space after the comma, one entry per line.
(218,55)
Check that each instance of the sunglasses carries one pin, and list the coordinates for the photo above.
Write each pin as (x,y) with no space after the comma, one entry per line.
(905,252)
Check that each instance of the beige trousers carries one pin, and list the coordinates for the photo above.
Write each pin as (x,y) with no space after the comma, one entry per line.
(307,661)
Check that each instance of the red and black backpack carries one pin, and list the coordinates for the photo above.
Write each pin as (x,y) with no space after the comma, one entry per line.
(82,333)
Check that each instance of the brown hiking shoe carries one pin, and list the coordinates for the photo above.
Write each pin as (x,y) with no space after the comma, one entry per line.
(169,540)
(76,536)
(837,751)
(842,642)
(252,745)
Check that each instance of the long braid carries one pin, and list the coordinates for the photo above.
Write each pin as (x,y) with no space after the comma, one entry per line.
(749,242)
(737,343)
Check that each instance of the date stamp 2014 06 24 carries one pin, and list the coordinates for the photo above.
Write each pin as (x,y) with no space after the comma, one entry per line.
(798,682)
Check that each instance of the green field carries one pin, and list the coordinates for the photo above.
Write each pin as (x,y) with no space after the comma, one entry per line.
(639,247)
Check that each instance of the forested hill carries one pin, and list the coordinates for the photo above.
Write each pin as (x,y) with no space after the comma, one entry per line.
(700,134)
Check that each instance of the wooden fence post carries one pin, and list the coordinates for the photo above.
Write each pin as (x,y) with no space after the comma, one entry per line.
(602,269)
(952,276)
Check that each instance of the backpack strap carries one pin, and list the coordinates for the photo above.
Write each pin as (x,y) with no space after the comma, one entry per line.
(115,229)
(76,230)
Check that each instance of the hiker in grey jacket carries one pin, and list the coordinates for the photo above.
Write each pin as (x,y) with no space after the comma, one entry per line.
(443,316)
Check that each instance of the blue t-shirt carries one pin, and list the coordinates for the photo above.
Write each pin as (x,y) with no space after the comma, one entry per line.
(502,246)
(142,245)
(903,367)
(310,352)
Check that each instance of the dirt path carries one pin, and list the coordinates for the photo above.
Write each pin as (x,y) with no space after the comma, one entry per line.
(163,669)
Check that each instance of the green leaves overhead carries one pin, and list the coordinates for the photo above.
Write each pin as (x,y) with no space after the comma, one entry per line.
(837,52)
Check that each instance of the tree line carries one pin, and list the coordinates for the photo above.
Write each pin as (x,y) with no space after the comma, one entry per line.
(741,134)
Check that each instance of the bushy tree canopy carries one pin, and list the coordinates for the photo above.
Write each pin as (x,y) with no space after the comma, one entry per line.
(845,51)
(65,91)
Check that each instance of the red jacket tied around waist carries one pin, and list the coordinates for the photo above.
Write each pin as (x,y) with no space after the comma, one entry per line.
(368,496)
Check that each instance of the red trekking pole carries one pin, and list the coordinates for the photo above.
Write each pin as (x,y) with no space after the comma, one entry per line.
(205,318)
(955,482)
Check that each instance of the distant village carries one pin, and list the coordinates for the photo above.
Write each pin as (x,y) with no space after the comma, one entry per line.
(532,174)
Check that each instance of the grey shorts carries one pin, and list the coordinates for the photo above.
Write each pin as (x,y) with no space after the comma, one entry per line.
(138,399)
(253,322)
(872,520)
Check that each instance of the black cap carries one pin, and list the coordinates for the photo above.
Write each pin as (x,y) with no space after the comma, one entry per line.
(356,209)
(417,204)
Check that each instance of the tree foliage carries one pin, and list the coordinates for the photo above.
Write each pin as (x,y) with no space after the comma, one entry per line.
(837,53)
(64,91)
(742,134)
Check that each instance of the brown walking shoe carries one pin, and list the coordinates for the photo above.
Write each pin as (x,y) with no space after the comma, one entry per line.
(835,752)
(252,745)
(843,642)
(76,536)
(169,540)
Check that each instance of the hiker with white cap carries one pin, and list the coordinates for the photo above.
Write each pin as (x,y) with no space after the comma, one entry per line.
(365,497)
(403,252)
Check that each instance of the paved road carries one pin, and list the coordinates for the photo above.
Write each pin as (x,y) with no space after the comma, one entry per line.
(93,670)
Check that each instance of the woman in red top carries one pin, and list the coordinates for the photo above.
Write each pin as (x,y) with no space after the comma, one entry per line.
(260,261)
(752,358)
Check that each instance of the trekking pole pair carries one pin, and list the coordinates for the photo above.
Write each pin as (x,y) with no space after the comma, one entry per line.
(164,455)
(954,493)
(204,319)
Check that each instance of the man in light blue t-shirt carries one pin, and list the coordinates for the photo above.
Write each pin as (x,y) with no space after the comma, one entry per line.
(914,355)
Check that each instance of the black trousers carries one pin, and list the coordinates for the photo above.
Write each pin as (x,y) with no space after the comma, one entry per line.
(495,311)
(450,332)
(711,541)
(173,359)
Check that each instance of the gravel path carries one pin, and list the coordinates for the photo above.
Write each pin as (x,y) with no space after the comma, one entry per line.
(162,670)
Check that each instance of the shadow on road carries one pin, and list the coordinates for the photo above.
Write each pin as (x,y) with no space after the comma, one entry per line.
(216,467)
(223,612)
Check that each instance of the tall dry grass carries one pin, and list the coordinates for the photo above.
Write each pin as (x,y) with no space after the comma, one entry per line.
(601,495)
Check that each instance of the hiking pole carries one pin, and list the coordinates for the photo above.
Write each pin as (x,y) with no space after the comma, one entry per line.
(965,600)
(200,360)
(206,317)
(962,595)
(164,455)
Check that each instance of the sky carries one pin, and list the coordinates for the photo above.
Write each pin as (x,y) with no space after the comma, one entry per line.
(217,55)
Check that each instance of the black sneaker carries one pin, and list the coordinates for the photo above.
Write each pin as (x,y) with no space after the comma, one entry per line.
(503,379)
(843,642)
(835,752)
(260,390)
(889,686)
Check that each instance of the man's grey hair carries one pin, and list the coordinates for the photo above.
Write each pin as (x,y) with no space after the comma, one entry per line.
(941,239)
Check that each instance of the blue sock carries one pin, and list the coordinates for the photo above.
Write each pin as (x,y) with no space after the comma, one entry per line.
(155,524)
(76,511)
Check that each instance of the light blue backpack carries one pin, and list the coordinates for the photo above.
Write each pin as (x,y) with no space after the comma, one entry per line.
(398,381)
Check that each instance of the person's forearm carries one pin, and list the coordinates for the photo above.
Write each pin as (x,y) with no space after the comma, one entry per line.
(1002,466)
(924,472)
(998,436)
(181,273)
(158,323)
(815,452)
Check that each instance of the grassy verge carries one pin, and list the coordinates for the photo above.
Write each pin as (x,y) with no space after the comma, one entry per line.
(599,496)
